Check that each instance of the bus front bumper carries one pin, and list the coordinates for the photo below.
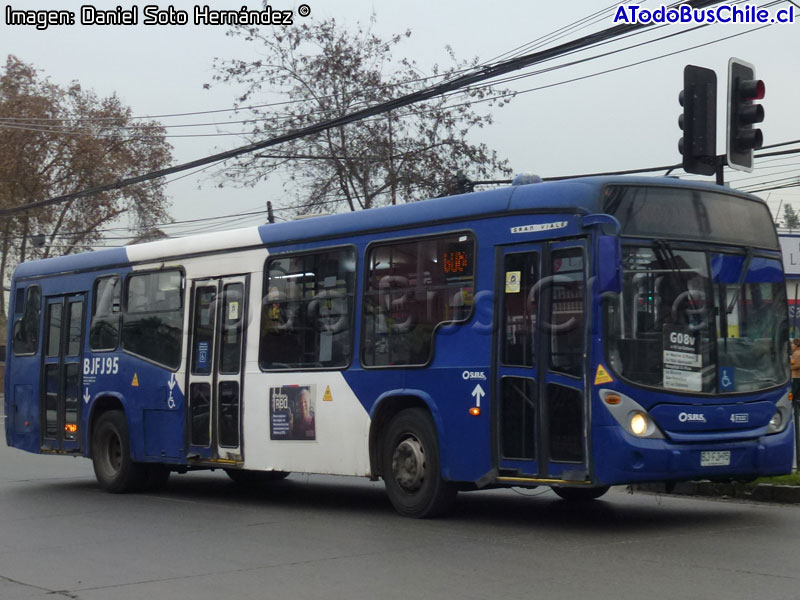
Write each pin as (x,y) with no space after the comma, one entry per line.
(621,458)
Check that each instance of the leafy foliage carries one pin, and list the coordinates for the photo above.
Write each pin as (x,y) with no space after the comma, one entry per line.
(58,140)
(325,72)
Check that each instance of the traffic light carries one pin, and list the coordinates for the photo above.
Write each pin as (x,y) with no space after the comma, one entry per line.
(699,120)
(743,112)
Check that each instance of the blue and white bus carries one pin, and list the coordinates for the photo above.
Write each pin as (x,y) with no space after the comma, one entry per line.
(575,334)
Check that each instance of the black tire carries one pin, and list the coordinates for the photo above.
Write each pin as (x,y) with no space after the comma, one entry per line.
(250,478)
(576,494)
(411,466)
(115,470)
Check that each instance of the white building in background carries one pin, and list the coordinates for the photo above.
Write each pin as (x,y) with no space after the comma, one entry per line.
(790,246)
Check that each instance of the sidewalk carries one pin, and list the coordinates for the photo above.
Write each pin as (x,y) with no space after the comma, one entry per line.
(759,492)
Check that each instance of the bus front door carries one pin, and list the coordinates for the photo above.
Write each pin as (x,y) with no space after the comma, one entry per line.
(540,414)
(61,373)
(216,369)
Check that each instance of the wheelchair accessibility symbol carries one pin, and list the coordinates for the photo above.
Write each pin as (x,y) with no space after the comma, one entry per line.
(726,380)
(171,383)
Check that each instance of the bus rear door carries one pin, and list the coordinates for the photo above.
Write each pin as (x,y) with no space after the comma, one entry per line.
(216,368)
(540,414)
(61,394)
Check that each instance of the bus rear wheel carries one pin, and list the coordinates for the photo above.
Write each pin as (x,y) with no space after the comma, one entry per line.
(111,456)
(411,466)
(574,494)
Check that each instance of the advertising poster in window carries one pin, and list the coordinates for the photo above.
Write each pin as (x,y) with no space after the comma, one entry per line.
(292,411)
(683,362)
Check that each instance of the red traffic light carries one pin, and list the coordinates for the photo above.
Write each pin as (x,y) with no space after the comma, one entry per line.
(744,92)
(752,89)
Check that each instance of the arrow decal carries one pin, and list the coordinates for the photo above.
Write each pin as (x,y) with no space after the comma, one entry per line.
(478,393)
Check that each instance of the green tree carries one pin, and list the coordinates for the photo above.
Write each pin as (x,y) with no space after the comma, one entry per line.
(325,71)
(790,217)
(57,140)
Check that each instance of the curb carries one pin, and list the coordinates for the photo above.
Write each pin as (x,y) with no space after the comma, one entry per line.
(759,492)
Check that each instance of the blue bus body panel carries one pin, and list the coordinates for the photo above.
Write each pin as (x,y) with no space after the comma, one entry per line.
(626,459)
(72,263)
(459,348)
(734,422)
(140,387)
(622,458)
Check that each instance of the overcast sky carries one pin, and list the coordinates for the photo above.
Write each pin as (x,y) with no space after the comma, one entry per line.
(621,120)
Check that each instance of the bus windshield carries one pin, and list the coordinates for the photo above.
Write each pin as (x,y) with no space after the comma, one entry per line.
(698,321)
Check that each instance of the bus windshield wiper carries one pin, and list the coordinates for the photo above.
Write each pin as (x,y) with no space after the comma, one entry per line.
(748,257)
(666,257)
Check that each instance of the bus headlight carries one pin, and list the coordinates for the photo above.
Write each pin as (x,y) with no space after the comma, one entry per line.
(638,423)
(782,417)
(630,415)
(776,421)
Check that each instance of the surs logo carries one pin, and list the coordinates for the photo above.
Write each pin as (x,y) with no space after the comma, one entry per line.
(692,417)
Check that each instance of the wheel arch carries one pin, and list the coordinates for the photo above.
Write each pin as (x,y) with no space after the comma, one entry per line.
(384,410)
(103,403)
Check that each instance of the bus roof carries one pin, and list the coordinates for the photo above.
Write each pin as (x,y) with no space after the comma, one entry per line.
(573,195)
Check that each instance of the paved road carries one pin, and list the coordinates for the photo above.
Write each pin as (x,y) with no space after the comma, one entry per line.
(325,537)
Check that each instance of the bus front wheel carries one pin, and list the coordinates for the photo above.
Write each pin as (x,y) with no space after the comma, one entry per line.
(115,470)
(411,466)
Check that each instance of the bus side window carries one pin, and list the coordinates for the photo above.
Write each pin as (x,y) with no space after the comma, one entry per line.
(412,287)
(27,320)
(306,311)
(152,324)
(104,333)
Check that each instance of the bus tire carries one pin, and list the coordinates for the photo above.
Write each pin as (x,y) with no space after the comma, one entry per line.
(246,477)
(411,466)
(115,470)
(575,494)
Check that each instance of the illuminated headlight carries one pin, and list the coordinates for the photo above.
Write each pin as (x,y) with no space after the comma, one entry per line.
(638,423)
(630,415)
(782,417)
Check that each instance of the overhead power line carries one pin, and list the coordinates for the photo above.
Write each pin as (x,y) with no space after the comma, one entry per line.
(40,124)
(250,214)
(483,74)
(552,36)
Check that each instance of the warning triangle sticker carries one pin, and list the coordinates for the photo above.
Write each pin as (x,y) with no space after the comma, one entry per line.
(135,382)
(327,397)
(602,376)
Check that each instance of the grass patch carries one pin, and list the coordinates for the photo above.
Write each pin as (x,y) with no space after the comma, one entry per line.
(793,479)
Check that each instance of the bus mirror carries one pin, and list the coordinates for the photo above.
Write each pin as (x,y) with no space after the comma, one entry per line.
(609,264)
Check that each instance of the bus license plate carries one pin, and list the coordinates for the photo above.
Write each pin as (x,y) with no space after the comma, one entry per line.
(715,458)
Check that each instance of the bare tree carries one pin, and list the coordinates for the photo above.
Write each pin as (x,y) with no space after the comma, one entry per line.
(790,217)
(325,71)
(58,140)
